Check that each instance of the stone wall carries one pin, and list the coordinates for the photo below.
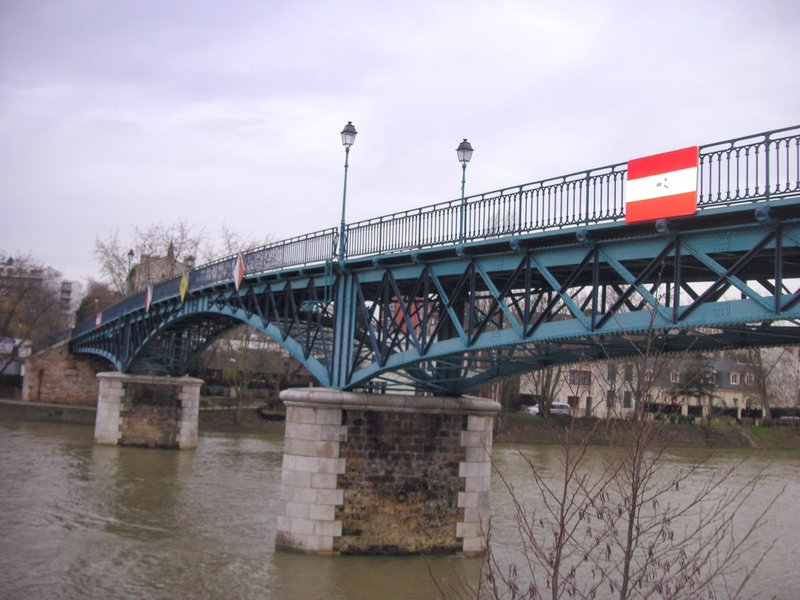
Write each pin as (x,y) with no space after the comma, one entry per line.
(385,474)
(401,482)
(147,411)
(309,479)
(56,376)
(151,415)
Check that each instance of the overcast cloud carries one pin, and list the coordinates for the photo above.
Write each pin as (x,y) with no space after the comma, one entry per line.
(116,113)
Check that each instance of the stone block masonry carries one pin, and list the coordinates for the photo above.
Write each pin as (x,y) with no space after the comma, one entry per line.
(147,411)
(385,474)
(56,376)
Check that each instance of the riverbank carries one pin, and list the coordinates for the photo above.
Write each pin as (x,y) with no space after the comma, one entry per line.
(253,419)
(514,428)
(722,433)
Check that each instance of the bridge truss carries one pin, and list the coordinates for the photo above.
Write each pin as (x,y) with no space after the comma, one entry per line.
(443,318)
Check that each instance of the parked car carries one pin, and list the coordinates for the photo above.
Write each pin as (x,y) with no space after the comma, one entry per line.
(557,408)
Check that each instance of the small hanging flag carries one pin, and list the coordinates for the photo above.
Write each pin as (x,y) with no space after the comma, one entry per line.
(148,298)
(184,286)
(238,271)
(98,320)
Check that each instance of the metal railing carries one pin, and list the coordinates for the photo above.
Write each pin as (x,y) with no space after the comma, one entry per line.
(308,249)
(587,197)
(759,167)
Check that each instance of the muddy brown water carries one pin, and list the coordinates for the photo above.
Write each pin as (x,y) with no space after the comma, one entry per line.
(85,521)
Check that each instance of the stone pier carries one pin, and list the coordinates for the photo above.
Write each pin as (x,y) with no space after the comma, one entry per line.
(147,411)
(385,474)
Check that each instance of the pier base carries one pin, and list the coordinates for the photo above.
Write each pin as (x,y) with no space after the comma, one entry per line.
(147,411)
(385,474)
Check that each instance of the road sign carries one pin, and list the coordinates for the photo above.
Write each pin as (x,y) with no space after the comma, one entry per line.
(662,185)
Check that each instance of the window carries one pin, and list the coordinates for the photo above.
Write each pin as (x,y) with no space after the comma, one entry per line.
(627,400)
(611,398)
(612,372)
(674,377)
(734,379)
(648,375)
(628,372)
(573,401)
(580,377)
(748,379)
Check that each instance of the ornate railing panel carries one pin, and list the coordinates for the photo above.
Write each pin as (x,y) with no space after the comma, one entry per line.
(764,166)
(307,249)
(760,167)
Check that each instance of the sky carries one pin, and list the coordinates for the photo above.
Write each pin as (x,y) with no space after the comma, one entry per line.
(117,114)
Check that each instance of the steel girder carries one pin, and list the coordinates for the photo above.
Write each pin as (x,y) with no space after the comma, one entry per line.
(448,325)
(445,323)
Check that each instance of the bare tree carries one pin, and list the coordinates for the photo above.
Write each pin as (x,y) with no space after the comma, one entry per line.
(282,370)
(99,296)
(29,303)
(233,241)
(698,381)
(546,384)
(245,354)
(662,541)
(630,525)
(642,371)
(162,251)
(175,242)
(774,376)
(556,531)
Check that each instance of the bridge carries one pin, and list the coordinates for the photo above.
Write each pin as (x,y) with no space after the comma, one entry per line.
(550,273)
(435,301)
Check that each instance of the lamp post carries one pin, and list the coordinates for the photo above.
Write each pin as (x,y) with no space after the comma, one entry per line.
(348,137)
(464,152)
(128,278)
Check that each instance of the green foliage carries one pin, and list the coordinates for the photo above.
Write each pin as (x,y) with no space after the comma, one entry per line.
(697,381)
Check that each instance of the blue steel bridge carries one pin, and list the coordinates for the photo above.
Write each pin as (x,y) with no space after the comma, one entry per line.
(548,273)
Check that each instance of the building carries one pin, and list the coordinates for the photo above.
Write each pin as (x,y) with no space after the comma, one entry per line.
(70,296)
(153,269)
(686,383)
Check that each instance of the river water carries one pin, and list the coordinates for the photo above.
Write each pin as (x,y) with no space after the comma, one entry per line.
(85,521)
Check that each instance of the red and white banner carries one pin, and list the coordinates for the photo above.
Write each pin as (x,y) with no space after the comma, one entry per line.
(238,271)
(662,185)
(98,320)
(148,298)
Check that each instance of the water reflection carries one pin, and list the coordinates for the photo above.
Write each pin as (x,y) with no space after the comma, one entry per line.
(80,520)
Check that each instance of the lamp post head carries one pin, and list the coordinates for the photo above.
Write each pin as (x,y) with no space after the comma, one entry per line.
(130,255)
(464,152)
(190,262)
(349,134)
